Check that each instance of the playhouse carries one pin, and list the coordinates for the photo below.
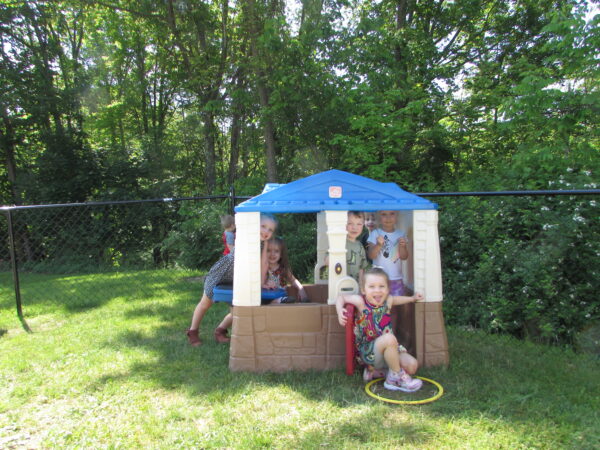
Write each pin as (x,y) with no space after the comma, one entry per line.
(306,336)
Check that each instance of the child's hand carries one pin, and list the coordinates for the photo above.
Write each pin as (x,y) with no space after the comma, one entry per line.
(343,317)
(402,242)
(380,240)
(418,296)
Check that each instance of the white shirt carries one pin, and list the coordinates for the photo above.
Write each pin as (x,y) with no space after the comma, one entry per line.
(388,258)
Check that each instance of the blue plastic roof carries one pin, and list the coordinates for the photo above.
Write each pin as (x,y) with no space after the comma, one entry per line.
(333,190)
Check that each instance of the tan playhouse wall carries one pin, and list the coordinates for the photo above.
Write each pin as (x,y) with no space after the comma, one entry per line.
(430,334)
(279,338)
(300,336)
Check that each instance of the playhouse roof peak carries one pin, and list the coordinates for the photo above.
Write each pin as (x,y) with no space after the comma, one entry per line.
(333,190)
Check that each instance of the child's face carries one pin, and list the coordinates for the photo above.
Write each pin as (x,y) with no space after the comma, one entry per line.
(388,220)
(267,228)
(370,221)
(273,253)
(375,289)
(354,227)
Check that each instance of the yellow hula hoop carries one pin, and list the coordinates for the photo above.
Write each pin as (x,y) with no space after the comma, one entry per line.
(406,402)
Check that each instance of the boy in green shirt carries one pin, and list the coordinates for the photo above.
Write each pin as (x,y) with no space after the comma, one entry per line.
(356,257)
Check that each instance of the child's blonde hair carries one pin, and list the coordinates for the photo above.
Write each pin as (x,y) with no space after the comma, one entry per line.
(375,270)
(227,221)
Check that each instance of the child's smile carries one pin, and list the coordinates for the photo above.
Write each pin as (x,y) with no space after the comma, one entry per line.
(273,255)
(370,222)
(375,289)
(267,228)
(354,227)
(388,220)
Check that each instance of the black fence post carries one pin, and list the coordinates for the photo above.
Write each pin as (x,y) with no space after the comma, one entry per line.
(15,270)
(232,200)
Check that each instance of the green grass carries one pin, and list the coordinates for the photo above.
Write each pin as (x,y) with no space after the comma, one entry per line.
(117,372)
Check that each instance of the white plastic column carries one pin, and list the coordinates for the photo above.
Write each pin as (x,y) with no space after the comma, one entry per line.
(246,275)
(322,245)
(405,223)
(336,235)
(427,261)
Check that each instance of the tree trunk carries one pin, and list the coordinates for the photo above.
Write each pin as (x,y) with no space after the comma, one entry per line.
(268,133)
(210,177)
(259,67)
(8,142)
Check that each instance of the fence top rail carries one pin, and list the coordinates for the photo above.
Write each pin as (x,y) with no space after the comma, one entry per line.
(115,202)
(237,197)
(511,193)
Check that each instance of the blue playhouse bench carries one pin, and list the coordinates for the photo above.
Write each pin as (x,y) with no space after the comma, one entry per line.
(224,293)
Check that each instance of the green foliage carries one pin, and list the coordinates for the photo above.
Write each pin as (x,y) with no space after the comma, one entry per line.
(196,241)
(299,232)
(527,265)
(169,99)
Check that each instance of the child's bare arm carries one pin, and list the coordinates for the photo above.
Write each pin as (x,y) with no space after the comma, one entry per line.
(403,249)
(340,305)
(373,250)
(295,282)
(403,299)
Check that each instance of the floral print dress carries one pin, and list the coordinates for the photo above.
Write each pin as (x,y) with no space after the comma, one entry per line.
(372,323)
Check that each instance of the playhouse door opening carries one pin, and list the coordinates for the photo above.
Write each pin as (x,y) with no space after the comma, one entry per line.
(403,323)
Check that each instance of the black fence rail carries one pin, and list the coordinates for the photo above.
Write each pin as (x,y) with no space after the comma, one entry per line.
(49,249)
(77,250)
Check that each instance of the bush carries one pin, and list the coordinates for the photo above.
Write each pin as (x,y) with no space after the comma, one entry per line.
(527,266)
(196,242)
(299,232)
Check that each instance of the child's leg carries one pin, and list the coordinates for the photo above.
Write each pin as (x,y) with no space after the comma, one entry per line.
(386,347)
(408,362)
(227,321)
(201,308)
(200,311)
(221,331)
(397,377)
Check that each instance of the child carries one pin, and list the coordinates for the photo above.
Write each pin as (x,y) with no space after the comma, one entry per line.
(387,247)
(228,224)
(370,225)
(370,220)
(356,258)
(377,346)
(279,273)
(222,272)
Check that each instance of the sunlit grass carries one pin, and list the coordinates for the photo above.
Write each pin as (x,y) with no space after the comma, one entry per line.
(119,373)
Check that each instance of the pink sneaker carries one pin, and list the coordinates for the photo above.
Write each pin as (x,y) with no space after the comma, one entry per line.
(376,373)
(401,381)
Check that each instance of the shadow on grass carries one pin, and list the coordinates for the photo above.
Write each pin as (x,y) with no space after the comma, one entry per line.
(43,293)
(204,370)
(530,386)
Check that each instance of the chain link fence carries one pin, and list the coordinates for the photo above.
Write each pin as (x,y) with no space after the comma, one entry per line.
(522,262)
(93,252)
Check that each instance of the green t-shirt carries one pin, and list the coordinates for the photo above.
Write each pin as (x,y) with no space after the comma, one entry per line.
(356,258)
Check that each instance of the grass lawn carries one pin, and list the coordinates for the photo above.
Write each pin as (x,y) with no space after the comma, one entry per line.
(117,372)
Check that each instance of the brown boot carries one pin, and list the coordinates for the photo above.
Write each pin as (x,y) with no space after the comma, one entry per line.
(221,335)
(193,337)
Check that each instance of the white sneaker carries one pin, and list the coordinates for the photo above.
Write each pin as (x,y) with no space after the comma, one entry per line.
(401,381)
